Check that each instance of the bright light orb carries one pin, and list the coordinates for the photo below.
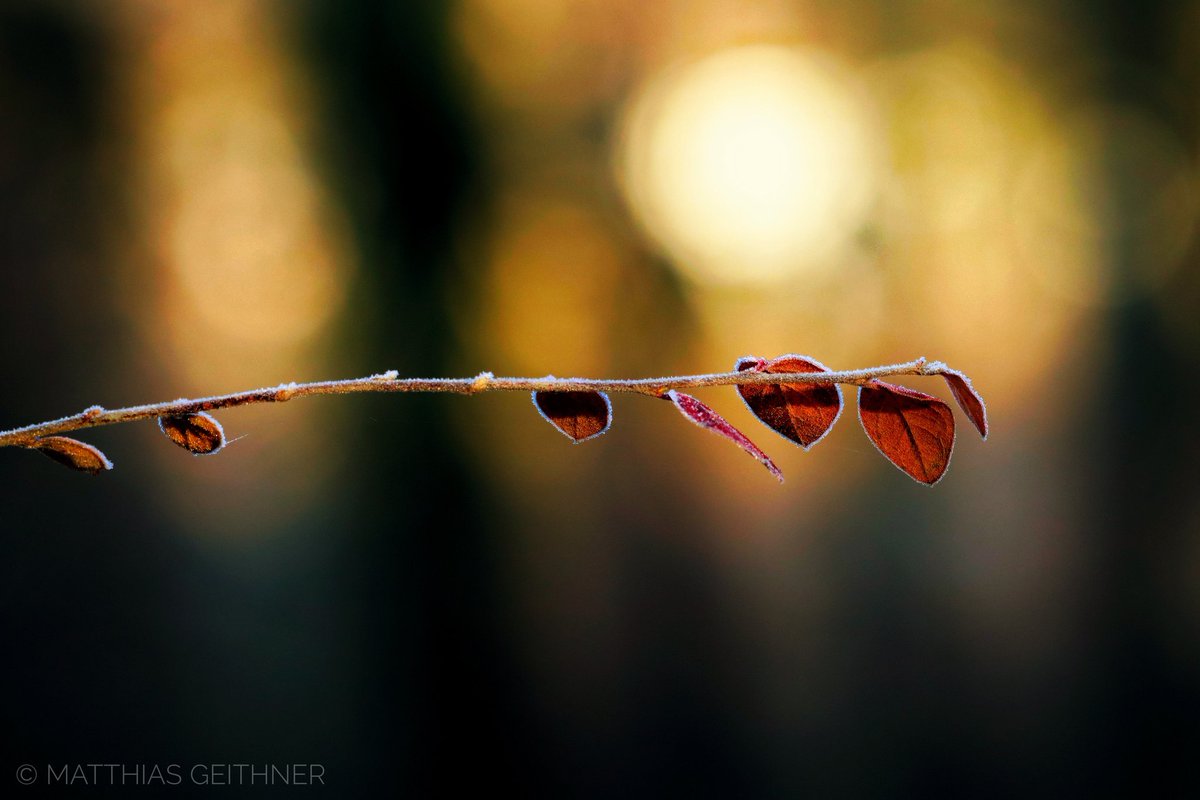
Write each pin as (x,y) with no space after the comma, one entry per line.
(752,166)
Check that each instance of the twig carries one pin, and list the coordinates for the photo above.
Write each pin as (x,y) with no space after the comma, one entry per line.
(96,416)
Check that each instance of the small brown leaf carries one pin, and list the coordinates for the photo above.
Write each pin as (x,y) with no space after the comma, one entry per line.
(914,430)
(968,399)
(578,415)
(706,418)
(199,433)
(801,412)
(73,453)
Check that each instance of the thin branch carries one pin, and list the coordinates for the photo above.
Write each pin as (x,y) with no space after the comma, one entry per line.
(96,416)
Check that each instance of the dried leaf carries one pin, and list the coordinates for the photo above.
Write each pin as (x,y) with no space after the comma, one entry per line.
(914,430)
(801,412)
(199,433)
(968,399)
(578,415)
(74,454)
(705,417)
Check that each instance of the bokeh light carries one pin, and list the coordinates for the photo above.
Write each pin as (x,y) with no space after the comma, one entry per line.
(551,288)
(248,261)
(753,165)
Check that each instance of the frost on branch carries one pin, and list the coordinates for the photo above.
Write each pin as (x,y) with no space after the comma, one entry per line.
(800,412)
(914,430)
(73,453)
(578,415)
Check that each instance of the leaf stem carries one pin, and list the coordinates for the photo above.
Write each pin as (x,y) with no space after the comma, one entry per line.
(96,416)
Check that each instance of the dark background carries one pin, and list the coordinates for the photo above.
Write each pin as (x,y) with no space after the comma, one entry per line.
(428,595)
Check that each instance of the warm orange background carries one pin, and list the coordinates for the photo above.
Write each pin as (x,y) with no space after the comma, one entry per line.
(426,591)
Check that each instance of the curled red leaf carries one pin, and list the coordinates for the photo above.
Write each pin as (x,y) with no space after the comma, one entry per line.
(914,430)
(706,418)
(73,453)
(800,412)
(578,415)
(200,433)
(968,399)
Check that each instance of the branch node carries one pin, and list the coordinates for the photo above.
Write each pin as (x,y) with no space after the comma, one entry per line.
(92,412)
(390,375)
(482,381)
(285,392)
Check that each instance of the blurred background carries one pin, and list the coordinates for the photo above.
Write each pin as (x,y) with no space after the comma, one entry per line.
(433,593)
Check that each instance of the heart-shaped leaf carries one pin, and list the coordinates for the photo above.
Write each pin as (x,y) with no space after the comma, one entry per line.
(199,433)
(705,417)
(801,412)
(73,453)
(968,399)
(578,415)
(914,430)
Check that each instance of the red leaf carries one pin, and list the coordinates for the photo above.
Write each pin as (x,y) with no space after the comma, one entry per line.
(578,415)
(200,433)
(801,412)
(73,453)
(914,430)
(968,399)
(705,417)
